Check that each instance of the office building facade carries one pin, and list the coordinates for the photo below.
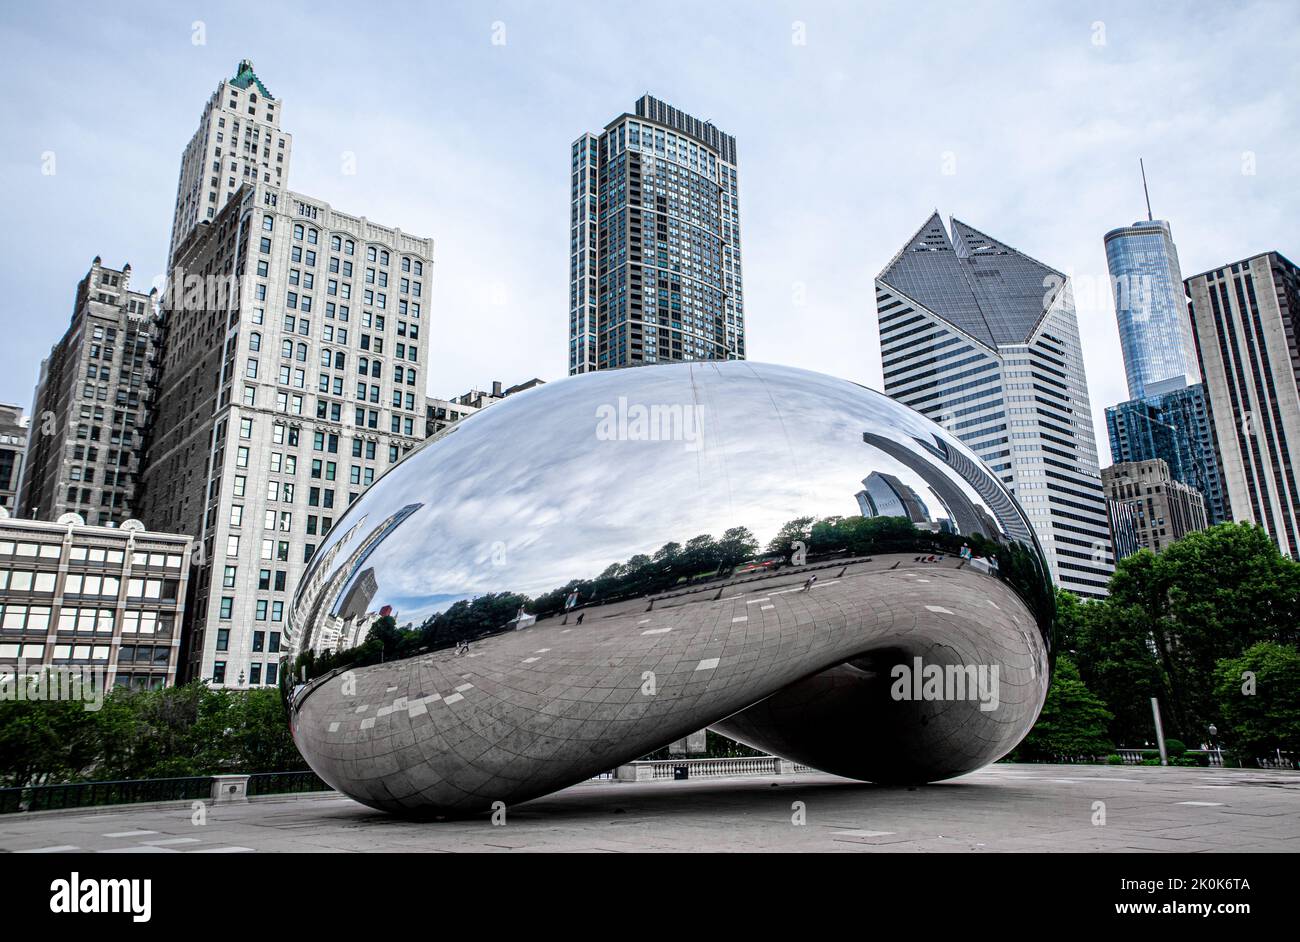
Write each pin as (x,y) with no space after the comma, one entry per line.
(984,340)
(1163,509)
(1246,318)
(91,413)
(288,389)
(103,598)
(13,451)
(654,254)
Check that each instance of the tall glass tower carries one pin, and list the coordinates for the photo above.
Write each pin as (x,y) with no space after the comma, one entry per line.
(654,243)
(1154,329)
(1167,415)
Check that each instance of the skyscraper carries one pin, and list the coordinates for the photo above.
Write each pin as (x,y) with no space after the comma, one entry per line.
(1166,416)
(91,414)
(1246,317)
(1154,331)
(984,340)
(654,253)
(1163,509)
(295,343)
(1173,426)
(238,141)
(280,402)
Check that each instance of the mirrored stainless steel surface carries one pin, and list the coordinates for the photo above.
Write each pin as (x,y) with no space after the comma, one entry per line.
(689,508)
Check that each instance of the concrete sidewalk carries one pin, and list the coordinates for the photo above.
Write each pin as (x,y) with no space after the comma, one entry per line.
(999,808)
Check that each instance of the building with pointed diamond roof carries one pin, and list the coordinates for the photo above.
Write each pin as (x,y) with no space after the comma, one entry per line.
(983,339)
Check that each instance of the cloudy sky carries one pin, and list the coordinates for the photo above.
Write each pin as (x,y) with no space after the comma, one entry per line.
(854,122)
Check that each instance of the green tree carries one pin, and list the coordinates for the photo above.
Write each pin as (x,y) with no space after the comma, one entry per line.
(1204,598)
(1073,721)
(1115,659)
(1258,695)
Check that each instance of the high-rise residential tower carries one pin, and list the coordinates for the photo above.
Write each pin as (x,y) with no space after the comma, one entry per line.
(238,141)
(91,413)
(984,340)
(1246,318)
(654,248)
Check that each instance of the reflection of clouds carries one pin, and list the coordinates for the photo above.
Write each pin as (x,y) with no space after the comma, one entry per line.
(530,473)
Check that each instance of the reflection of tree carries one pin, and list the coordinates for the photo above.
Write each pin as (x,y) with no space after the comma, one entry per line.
(700,559)
(797,530)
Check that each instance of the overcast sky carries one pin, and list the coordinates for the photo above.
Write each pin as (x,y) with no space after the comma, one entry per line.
(853,123)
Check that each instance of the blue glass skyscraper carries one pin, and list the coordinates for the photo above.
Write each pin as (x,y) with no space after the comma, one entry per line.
(1175,425)
(1155,331)
(1167,415)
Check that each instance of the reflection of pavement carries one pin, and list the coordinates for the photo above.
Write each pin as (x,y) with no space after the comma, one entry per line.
(530,711)
(1000,808)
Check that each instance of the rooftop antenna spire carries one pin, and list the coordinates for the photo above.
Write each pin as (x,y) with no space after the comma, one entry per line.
(1145,191)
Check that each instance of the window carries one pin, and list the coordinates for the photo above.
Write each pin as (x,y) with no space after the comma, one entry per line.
(227,605)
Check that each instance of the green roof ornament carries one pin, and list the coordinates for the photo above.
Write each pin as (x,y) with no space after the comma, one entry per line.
(245,76)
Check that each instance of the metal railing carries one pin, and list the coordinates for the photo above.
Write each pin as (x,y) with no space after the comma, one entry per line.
(285,783)
(91,794)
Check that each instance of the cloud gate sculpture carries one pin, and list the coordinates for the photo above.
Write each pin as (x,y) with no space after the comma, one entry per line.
(595,568)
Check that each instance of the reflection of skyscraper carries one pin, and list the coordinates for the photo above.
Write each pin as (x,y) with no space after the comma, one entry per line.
(357,601)
(886,496)
(984,340)
(328,580)
(967,517)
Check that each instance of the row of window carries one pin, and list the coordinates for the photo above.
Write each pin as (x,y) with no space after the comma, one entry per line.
(255,673)
(159,656)
(17,617)
(89,554)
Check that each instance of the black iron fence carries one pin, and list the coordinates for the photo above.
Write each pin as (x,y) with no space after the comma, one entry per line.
(284,783)
(133,791)
(90,794)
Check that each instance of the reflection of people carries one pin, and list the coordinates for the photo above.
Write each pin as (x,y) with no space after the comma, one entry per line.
(569,604)
(519,615)
(581,616)
(965,551)
(812,580)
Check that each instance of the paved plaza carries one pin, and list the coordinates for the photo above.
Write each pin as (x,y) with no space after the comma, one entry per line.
(997,809)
